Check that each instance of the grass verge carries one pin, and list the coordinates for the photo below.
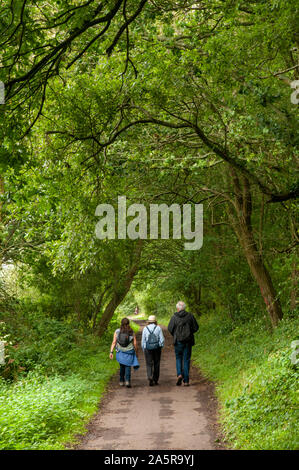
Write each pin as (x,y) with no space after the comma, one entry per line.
(48,405)
(256,383)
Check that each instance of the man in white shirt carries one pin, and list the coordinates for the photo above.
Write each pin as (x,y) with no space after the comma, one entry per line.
(152,343)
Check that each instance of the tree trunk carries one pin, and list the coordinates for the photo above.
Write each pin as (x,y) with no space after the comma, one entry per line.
(294,273)
(1,192)
(197,299)
(98,307)
(294,278)
(241,220)
(120,292)
(261,275)
(1,218)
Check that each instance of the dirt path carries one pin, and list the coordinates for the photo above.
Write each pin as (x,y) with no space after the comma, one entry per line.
(162,417)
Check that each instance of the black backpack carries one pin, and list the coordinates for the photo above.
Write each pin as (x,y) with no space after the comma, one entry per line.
(152,340)
(123,339)
(183,330)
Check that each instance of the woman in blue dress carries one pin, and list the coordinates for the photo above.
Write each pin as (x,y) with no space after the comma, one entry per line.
(125,343)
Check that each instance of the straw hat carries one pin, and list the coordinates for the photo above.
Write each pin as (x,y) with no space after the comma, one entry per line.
(152,319)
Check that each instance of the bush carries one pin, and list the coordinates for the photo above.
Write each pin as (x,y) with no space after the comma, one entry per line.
(40,412)
(256,382)
(57,375)
(264,413)
(35,410)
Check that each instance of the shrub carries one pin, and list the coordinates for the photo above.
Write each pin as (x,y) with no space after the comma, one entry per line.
(256,383)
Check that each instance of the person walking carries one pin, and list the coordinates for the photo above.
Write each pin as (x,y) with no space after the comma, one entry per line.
(125,343)
(152,342)
(182,327)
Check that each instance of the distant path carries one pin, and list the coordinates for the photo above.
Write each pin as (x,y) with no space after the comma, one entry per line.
(162,417)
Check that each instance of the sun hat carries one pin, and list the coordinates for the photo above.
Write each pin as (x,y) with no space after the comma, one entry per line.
(152,318)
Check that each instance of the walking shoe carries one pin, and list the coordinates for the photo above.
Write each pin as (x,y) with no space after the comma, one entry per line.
(186,384)
(128,385)
(121,384)
(150,382)
(156,383)
(179,381)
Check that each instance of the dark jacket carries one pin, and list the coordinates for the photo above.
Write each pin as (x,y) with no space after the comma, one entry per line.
(175,319)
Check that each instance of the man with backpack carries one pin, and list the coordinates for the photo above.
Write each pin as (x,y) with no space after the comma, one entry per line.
(182,327)
(152,342)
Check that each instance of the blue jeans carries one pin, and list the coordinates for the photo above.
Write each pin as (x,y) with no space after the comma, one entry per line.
(124,373)
(183,357)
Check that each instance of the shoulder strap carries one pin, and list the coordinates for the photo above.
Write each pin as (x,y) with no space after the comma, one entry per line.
(150,330)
